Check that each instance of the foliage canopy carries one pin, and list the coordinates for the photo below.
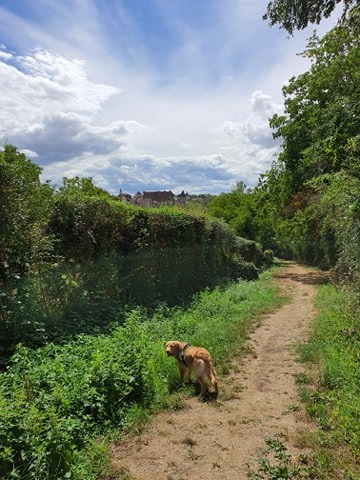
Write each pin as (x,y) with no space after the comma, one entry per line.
(296,15)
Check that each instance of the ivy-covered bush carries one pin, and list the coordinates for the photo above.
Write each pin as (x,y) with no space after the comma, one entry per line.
(75,259)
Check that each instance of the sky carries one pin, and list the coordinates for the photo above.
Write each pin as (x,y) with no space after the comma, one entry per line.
(145,95)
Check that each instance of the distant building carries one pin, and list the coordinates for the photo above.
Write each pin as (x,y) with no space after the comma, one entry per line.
(155,198)
(182,198)
(125,197)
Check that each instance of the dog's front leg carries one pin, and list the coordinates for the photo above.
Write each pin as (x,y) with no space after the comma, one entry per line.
(182,370)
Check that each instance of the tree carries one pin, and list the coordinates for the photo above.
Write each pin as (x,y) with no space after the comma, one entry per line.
(24,207)
(237,209)
(321,142)
(321,124)
(296,15)
(83,187)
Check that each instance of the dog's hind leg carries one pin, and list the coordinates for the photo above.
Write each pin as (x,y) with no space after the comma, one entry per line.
(204,389)
(200,371)
(213,380)
(212,377)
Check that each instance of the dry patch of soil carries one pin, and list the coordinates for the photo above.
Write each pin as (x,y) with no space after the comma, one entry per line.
(258,399)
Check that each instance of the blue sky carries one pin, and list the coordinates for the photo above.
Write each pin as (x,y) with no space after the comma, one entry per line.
(145,94)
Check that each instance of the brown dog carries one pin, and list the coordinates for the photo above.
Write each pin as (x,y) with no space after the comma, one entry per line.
(195,360)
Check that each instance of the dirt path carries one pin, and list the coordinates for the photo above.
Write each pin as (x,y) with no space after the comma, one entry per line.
(216,440)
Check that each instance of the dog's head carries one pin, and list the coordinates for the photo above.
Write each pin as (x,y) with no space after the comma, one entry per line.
(172,348)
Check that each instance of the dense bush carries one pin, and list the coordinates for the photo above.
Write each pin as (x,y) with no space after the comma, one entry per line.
(69,393)
(92,258)
(341,203)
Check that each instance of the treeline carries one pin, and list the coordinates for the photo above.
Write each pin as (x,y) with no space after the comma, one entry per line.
(307,205)
(76,260)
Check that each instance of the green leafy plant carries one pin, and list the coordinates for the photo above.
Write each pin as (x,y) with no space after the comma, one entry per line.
(278,464)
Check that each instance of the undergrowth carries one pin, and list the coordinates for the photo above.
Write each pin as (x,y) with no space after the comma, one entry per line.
(59,403)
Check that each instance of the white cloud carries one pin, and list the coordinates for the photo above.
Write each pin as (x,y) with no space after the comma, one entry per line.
(29,153)
(48,106)
(74,126)
(254,130)
(58,115)
(262,104)
(43,82)
(5,56)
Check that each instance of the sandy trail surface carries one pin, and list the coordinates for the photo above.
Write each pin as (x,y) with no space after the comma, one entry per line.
(257,399)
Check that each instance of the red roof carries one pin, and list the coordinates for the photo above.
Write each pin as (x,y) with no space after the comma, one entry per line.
(159,196)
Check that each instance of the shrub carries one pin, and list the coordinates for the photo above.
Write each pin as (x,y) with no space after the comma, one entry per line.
(54,399)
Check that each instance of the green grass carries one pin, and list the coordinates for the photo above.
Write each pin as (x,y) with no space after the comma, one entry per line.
(335,404)
(59,401)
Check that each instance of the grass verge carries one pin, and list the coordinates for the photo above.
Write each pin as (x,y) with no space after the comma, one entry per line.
(335,401)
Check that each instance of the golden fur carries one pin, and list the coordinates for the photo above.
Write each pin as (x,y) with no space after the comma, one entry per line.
(195,360)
